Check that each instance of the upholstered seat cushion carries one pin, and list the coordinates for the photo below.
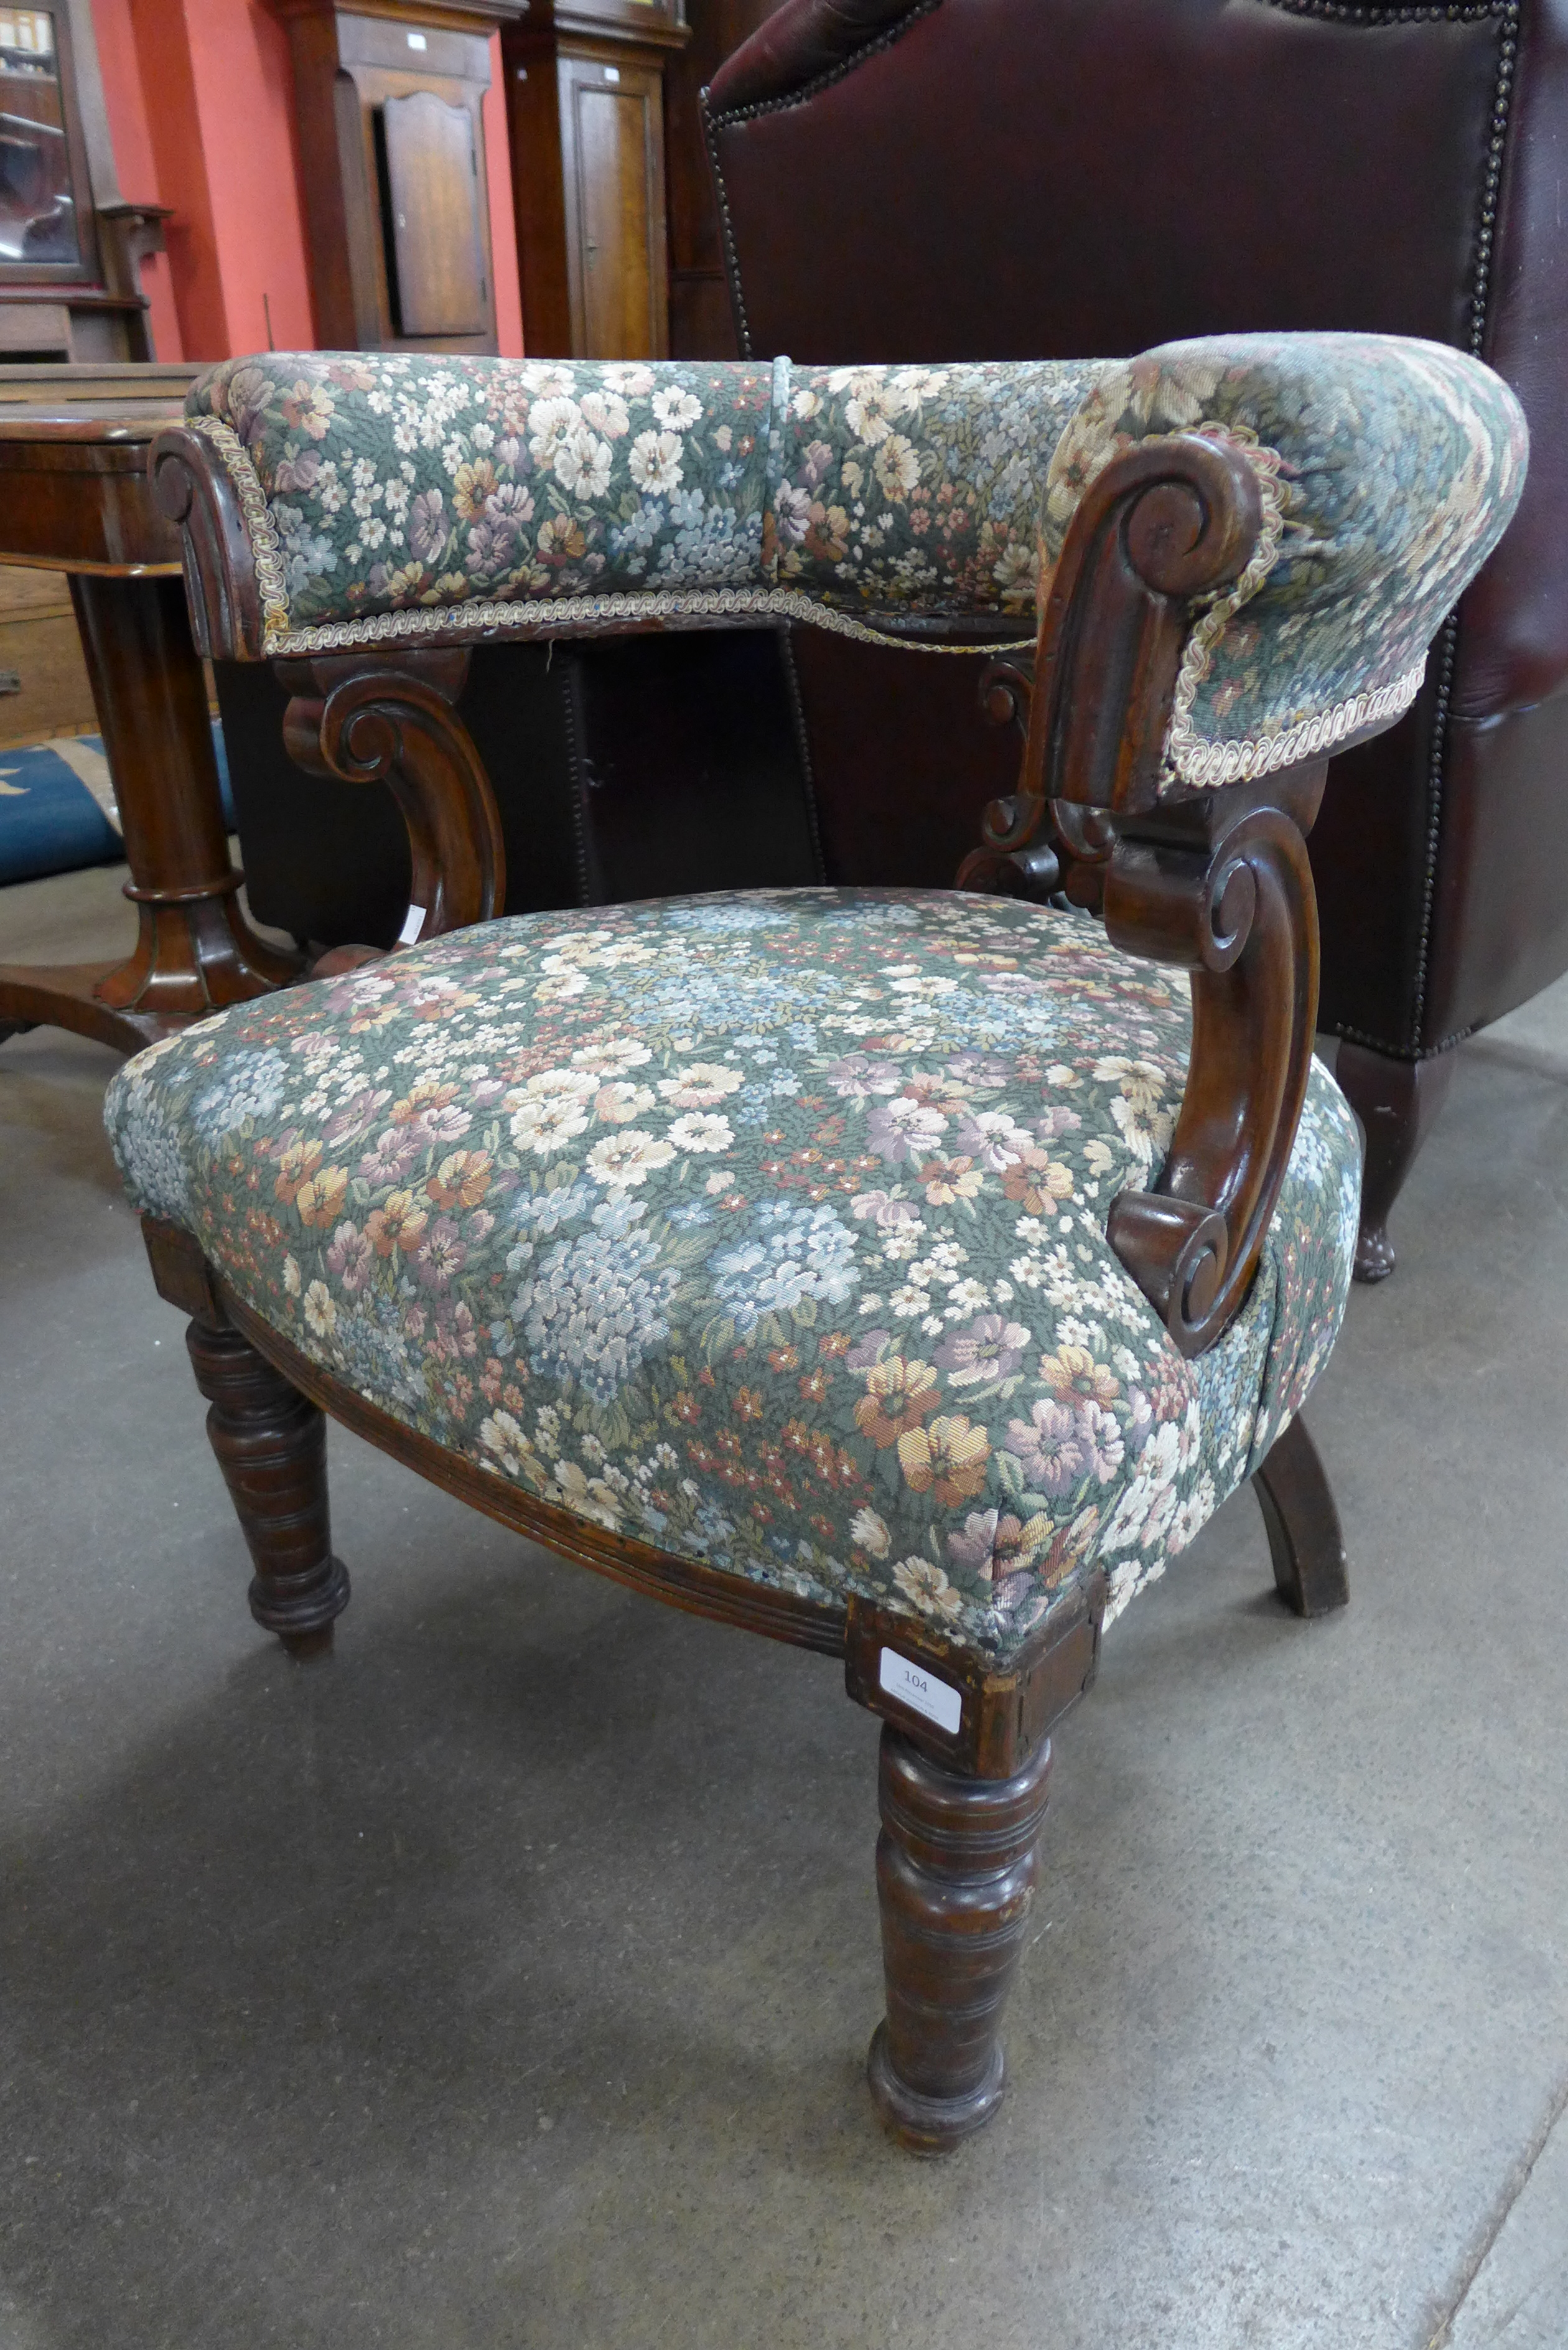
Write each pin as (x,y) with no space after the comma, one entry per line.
(768,1229)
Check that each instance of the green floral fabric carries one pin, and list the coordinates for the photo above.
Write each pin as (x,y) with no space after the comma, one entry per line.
(768,1229)
(391,496)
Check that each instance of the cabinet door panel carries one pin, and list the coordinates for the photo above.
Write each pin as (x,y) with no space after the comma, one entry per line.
(435,235)
(612,155)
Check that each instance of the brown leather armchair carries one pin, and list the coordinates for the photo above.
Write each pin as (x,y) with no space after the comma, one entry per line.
(1033,178)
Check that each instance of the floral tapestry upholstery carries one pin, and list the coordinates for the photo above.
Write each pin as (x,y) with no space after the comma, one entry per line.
(766,1228)
(390,495)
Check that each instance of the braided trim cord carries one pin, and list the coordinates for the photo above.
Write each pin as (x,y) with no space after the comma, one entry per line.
(266,549)
(562,614)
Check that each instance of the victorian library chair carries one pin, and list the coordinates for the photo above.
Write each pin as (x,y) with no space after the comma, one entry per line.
(906,1275)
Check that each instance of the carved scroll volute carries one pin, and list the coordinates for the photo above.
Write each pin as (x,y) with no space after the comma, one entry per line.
(1168,523)
(393,721)
(1215,882)
(190,488)
(1163,526)
(1236,909)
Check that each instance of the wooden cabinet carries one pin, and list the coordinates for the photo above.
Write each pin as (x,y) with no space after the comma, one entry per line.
(585,98)
(70,247)
(389,100)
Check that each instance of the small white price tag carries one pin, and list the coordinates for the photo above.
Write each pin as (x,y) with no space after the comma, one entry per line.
(921,1691)
(410,929)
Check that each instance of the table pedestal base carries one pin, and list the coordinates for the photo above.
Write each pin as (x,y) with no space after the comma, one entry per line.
(195,953)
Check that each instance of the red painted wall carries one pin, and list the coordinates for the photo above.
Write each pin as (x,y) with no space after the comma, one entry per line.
(201,111)
(245,98)
(503,227)
(133,157)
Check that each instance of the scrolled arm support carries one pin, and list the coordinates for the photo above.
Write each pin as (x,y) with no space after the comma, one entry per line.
(1163,527)
(1233,906)
(395,723)
(1216,883)
(222,594)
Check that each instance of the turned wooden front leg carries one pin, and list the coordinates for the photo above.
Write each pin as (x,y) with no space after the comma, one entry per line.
(271,1445)
(956,1867)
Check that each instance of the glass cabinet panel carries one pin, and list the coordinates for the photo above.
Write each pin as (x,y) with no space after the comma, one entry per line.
(38,208)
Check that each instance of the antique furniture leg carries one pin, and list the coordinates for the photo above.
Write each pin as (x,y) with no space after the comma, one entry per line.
(1297,1503)
(956,1868)
(271,1445)
(1396,1102)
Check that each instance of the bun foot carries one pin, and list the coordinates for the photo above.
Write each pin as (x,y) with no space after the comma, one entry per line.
(271,1445)
(930,2126)
(303,1616)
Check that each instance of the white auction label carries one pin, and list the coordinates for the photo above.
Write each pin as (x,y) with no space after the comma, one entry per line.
(410,929)
(921,1690)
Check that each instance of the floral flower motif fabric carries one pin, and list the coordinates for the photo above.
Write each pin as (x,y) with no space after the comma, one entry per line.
(392,494)
(769,1230)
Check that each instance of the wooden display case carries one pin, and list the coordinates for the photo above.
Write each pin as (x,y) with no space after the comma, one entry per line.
(390,97)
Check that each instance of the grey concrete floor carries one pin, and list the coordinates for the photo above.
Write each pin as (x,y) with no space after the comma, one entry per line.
(506,1978)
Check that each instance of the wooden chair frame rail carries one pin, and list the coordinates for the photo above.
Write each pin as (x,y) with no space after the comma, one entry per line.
(1214,882)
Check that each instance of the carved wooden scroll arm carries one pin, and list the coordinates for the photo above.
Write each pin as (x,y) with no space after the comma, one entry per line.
(1216,883)
(361,718)
(222,593)
(1224,891)
(391,720)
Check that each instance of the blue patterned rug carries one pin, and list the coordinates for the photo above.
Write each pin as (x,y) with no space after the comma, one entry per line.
(57,810)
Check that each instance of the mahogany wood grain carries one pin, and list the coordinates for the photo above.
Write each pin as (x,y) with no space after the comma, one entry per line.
(1223,891)
(957,1865)
(435,236)
(194,496)
(1303,1524)
(398,726)
(271,1444)
(612,151)
(1216,883)
(586,112)
(74,496)
(353,67)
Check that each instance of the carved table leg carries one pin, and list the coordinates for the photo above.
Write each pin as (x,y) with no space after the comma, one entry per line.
(1297,1503)
(271,1445)
(1395,1102)
(956,1867)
